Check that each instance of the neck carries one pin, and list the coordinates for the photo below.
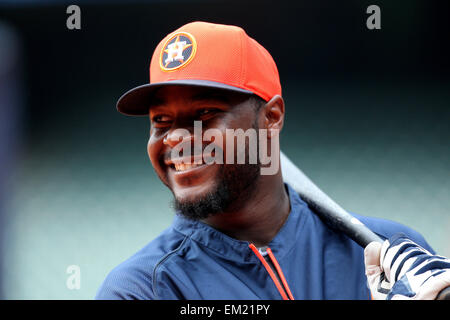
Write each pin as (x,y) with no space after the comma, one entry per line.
(258,219)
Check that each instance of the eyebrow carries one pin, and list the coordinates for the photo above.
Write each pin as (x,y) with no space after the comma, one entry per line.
(156,102)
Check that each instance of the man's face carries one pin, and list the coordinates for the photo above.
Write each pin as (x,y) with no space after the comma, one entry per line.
(203,189)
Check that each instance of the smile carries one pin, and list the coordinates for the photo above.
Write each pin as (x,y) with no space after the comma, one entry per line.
(186,166)
(190,173)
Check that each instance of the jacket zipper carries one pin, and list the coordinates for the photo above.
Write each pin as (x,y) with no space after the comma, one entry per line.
(284,289)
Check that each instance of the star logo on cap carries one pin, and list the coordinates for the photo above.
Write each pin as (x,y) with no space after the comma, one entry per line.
(177,51)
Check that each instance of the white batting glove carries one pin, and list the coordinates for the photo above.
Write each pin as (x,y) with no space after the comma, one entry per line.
(401,269)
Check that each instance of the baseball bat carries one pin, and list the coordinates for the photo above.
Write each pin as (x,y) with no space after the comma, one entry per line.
(330,212)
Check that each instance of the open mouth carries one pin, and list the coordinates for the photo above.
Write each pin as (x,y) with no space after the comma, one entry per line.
(189,163)
(185,166)
(190,173)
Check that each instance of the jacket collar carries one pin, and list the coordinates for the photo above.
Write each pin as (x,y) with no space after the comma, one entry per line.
(238,250)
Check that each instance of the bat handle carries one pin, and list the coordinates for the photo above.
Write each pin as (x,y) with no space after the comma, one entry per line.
(363,236)
(444,294)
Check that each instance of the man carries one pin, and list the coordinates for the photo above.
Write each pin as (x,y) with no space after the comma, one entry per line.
(238,233)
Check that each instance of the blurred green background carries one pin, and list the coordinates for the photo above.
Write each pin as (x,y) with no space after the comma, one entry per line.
(367,119)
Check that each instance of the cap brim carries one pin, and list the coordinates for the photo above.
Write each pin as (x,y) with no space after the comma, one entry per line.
(136,102)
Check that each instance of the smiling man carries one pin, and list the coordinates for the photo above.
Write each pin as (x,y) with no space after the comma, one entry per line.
(239,232)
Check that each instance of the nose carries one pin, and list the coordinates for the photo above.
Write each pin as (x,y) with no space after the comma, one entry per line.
(176,136)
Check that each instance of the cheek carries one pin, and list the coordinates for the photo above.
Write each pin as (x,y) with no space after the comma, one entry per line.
(245,123)
(153,150)
(149,149)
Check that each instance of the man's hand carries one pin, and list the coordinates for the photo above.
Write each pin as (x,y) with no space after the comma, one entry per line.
(401,269)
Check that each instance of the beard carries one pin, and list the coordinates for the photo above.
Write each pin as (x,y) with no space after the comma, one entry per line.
(235,184)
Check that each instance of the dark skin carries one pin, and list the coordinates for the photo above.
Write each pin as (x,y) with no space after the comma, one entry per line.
(256,219)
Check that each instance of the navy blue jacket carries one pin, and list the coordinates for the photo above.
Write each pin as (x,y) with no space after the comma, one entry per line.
(191,260)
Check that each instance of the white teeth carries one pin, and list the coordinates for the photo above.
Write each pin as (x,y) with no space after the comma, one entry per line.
(184,166)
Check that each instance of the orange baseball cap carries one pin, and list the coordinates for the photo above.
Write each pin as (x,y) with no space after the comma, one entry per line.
(209,55)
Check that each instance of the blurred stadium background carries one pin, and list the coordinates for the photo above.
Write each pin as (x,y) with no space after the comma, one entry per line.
(368,116)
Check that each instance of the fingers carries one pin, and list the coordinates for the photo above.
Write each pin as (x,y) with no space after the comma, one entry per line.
(372,254)
(373,270)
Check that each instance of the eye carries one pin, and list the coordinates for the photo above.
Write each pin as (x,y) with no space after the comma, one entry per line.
(161,119)
(206,112)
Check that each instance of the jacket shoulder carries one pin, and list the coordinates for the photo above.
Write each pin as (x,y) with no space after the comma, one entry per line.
(386,228)
(133,278)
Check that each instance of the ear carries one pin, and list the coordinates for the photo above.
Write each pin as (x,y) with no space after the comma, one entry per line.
(274,114)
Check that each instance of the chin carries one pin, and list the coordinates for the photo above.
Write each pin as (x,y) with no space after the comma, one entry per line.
(193,193)
(198,203)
